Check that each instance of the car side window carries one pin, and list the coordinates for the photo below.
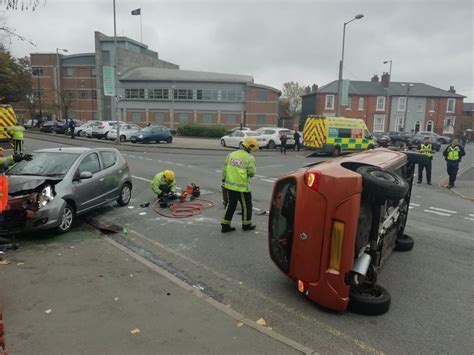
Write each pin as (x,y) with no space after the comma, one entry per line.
(90,163)
(108,159)
(269,131)
(367,135)
(240,134)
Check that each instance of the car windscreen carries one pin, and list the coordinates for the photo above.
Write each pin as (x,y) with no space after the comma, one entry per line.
(53,164)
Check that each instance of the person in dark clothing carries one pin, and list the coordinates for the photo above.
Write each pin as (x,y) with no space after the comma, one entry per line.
(453,154)
(72,127)
(426,149)
(283,140)
(297,138)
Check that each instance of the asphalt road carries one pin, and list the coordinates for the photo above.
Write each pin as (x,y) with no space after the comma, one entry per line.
(431,286)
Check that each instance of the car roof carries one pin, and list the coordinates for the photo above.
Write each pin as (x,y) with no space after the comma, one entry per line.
(74,150)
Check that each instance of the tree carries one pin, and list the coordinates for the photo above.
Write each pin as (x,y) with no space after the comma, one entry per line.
(67,99)
(292,92)
(22,5)
(15,78)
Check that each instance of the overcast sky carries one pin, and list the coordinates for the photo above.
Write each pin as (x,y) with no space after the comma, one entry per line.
(275,41)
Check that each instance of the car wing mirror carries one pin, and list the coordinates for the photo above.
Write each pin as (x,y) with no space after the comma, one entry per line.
(85,175)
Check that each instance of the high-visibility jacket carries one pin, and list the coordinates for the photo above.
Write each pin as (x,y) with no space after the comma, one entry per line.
(426,149)
(16,132)
(159,180)
(4,164)
(453,153)
(239,167)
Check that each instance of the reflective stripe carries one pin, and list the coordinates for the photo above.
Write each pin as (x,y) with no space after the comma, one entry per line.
(426,149)
(453,153)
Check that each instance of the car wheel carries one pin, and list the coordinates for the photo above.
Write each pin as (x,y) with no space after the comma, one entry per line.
(67,218)
(105,135)
(404,243)
(125,195)
(169,140)
(383,184)
(123,138)
(336,152)
(223,143)
(271,145)
(368,299)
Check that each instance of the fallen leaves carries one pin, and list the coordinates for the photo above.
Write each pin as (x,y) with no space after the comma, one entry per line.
(261,321)
(5,262)
(48,311)
(239,324)
(135,331)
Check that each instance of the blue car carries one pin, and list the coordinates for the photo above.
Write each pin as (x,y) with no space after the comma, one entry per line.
(152,134)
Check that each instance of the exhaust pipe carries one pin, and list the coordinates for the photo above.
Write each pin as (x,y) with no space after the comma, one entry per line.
(362,263)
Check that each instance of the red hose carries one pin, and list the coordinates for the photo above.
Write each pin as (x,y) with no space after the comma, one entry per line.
(183,209)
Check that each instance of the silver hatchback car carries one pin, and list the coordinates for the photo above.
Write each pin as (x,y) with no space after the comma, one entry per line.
(61,183)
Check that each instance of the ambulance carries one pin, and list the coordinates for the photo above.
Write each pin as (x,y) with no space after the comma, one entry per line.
(336,135)
(7,119)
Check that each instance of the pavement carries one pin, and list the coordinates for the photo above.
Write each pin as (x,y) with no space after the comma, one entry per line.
(82,293)
(465,183)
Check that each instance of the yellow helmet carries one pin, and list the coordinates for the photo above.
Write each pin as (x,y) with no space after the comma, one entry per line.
(250,143)
(169,176)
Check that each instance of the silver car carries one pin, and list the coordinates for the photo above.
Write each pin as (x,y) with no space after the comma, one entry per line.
(61,183)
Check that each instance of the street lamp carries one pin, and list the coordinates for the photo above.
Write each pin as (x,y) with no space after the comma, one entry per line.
(408,86)
(58,82)
(341,64)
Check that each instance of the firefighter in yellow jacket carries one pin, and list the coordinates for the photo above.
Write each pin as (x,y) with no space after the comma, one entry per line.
(239,167)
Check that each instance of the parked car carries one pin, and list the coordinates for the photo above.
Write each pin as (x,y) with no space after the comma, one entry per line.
(332,226)
(382,139)
(48,126)
(31,123)
(63,126)
(90,128)
(399,137)
(102,129)
(59,184)
(272,136)
(439,138)
(235,139)
(81,130)
(150,134)
(126,131)
(417,139)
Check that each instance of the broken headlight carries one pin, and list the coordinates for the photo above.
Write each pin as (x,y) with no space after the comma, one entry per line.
(45,196)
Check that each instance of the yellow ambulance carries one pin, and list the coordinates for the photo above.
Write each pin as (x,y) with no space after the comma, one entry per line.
(7,119)
(335,135)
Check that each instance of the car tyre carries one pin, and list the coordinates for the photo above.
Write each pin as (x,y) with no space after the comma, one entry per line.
(123,138)
(271,145)
(67,218)
(368,299)
(125,195)
(106,135)
(223,143)
(169,140)
(383,184)
(336,152)
(404,243)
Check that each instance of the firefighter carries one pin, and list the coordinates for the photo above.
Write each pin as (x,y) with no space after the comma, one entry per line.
(426,149)
(16,132)
(453,154)
(164,183)
(239,166)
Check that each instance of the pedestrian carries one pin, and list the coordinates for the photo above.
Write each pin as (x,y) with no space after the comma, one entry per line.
(164,183)
(297,138)
(283,140)
(463,139)
(426,149)
(239,167)
(72,127)
(16,132)
(453,154)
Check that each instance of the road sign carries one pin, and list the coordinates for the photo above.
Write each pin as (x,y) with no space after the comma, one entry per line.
(345,93)
(109,80)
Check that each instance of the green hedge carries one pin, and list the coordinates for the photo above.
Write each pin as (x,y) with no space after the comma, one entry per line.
(202,131)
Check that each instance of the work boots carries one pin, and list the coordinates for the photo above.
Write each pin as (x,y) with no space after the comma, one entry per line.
(226,228)
(249,227)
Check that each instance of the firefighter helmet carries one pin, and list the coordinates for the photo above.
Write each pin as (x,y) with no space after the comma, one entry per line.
(169,176)
(250,143)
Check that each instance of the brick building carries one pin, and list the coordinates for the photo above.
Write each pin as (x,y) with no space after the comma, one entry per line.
(382,105)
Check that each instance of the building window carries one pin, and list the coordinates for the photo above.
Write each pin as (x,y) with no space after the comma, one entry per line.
(94,94)
(232,119)
(183,94)
(329,102)
(38,93)
(230,96)
(432,105)
(379,123)
(207,118)
(37,71)
(429,126)
(93,72)
(70,94)
(134,93)
(94,115)
(349,103)
(160,118)
(361,104)
(68,71)
(448,126)
(158,94)
(419,106)
(399,123)
(83,94)
(451,105)
(207,95)
(417,126)
(380,103)
(261,120)
(261,95)
(136,117)
(183,118)
(402,103)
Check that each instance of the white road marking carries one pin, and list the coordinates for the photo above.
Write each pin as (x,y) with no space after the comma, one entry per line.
(442,210)
(149,159)
(179,164)
(140,178)
(471,215)
(132,156)
(190,166)
(140,157)
(270,166)
(260,176)
(218,171)
(258,209)
(438,213)
(300,156)
(414,204)
(272,181)
(410,207)
(469,218)
(169,162)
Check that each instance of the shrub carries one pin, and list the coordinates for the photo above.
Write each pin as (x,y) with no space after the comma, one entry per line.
(201,131)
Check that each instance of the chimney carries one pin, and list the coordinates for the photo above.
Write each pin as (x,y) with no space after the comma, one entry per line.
(385,80)
(307,90)
(375,79)
(314,88)
(451,89)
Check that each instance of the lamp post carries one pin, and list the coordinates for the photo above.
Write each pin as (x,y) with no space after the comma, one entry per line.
(58,82)
(341,64)
(80,99)
(408,86)
(117,141)
(39,97)
(387,106)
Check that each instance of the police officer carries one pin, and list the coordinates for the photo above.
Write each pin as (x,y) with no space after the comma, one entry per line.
(239,167)
(16,132)
(72,127)
(426,149)
(164,183)
(453,154)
